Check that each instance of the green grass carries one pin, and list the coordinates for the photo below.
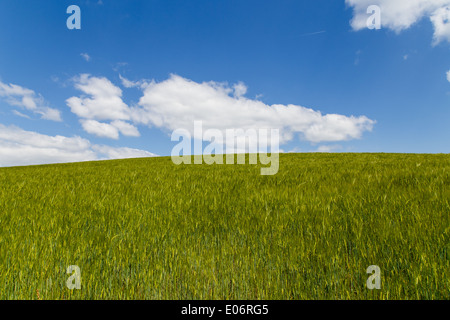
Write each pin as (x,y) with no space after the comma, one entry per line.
(147,229)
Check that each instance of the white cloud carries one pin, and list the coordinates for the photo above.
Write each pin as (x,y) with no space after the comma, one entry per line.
(24,98)
(399,15)
(121,153)
(295,150)
(20,147)
(125,128)
(133,84)
(329,148)
(103,102)
(239,89)
(100,129)
(448,76)
(20,114)
(111,130)
(86,56)
(178,102)
(441,22)
(128,83)
(49,114)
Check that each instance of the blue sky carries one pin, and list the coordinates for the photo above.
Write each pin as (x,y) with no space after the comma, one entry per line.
(310,54)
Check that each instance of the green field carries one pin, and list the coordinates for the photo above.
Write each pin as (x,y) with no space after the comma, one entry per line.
(147,229)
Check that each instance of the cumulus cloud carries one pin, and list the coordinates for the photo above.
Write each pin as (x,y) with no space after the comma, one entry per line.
(103,130)
(24,98)
(448,76)
(109,130)
(399,15)
(21,147)
(178,102)
(102,101)
(239,89)
(125,128)
(441,22)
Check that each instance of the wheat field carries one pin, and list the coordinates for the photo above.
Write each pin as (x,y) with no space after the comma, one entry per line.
(148,229)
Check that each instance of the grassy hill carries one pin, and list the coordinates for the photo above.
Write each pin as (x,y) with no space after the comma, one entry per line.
(147,229)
